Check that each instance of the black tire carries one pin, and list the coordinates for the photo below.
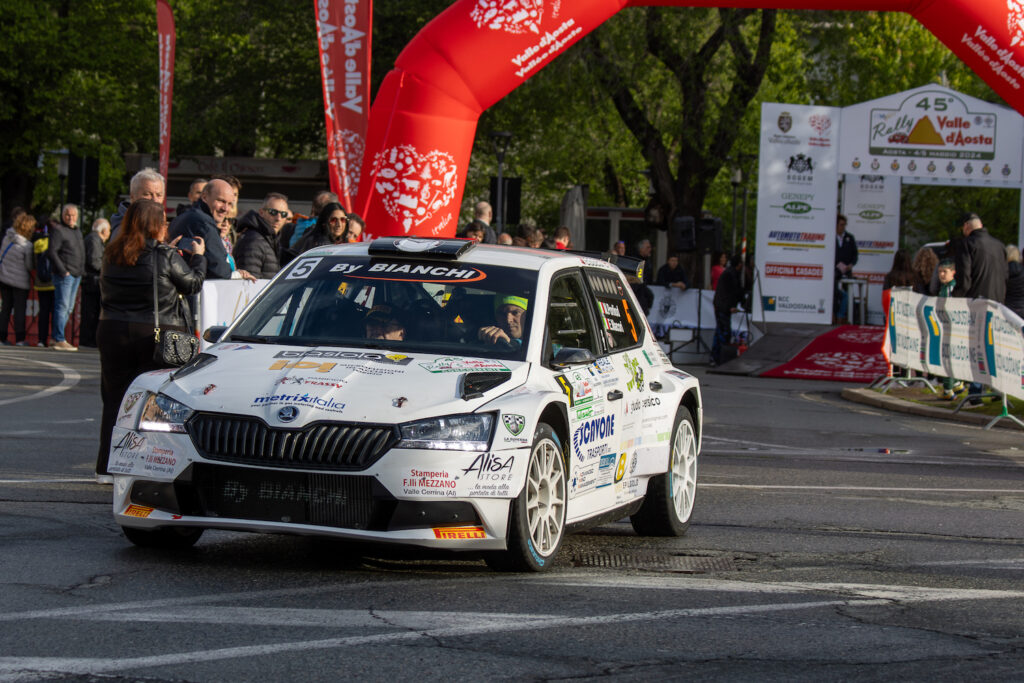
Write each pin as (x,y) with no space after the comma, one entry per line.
(537,523)
(668,505)
(167,538)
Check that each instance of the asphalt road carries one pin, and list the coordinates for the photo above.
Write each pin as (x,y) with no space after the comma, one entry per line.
(830,541)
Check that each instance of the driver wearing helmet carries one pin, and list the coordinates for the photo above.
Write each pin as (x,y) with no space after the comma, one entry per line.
(385,322)
(509,316)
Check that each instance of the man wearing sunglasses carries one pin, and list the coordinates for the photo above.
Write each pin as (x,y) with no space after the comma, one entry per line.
(258,250)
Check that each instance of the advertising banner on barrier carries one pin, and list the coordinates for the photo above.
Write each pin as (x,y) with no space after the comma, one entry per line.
(344,29)
(972,340)
(796,218)
(933,135)
(222,300)
(871,204)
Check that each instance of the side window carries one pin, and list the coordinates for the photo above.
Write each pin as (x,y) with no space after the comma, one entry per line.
(568,324)
(622,325)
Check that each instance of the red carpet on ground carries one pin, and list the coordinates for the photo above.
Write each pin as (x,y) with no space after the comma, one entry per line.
(851,353)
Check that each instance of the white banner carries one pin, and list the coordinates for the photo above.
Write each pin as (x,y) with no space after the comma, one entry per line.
(871,204)
(222,300)
(972,340)
(691,308)
(796,212)
(933,135)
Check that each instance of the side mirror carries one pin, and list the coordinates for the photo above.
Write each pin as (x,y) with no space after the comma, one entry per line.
(568,355)
(214,333)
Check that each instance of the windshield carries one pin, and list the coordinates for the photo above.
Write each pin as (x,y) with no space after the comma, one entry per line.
(442,307)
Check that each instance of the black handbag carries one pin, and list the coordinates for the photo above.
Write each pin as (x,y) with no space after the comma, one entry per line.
(172,348)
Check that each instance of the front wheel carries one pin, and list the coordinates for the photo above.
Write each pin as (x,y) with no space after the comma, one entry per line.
(538,513)
(668,506)
(167,538)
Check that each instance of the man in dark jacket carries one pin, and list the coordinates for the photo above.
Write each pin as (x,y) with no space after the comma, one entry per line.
(258,250)
(728,296)
(95,243)
(66,252)
(146,184)
(846,259)
(980,262)
(212,207)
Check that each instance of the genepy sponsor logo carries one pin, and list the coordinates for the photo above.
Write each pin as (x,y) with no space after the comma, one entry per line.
(592,430)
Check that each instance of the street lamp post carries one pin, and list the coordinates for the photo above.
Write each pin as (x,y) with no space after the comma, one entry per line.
(737,180)
(62,174)
(501,140)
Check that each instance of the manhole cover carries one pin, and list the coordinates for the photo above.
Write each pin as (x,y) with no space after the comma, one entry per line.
(655,562)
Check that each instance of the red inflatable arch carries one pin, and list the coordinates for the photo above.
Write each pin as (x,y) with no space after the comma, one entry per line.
(424,117)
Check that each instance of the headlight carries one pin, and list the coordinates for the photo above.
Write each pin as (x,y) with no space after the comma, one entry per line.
(453,432)
(163,414)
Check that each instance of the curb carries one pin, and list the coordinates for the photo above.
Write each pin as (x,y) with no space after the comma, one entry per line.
(898,405)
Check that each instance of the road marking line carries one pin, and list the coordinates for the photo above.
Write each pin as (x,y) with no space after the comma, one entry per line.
(70,378)
(854,488)
(29,668)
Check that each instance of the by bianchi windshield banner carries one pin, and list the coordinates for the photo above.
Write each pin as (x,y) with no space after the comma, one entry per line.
(973,340)
(933,135)
(796,213)
(871,204)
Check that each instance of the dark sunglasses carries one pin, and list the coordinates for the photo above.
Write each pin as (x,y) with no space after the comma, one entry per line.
(275,212)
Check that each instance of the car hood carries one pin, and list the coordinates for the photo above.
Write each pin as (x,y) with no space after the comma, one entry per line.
(331,383)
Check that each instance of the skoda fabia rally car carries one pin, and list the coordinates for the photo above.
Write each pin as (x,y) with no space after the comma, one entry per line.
(428,392)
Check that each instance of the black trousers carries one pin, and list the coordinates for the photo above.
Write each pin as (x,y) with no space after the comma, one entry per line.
(45,317)
(126,351)
(90,315)
(14,300)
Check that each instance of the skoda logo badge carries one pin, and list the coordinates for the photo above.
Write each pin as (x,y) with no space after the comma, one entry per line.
(288,413)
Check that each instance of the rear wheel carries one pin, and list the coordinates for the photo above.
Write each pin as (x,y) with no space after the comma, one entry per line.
(169,538)
(668,506)
(538,514)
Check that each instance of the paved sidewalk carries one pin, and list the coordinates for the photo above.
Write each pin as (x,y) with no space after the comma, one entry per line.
(900,405)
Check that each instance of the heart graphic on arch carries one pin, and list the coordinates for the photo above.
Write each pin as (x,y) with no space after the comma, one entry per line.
(511,16)
(1015,21)
(349,145)
(413,186)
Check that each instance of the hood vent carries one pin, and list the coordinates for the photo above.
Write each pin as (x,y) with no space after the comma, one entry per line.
(474,384)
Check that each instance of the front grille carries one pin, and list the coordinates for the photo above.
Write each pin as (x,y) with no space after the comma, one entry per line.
(324,446)
(334,500)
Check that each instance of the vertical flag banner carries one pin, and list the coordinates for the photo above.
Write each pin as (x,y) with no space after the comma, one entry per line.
(344,29)
(165,33)
(796,213)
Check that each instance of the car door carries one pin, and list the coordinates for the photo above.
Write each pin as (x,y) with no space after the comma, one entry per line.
(592,389)
(622,330)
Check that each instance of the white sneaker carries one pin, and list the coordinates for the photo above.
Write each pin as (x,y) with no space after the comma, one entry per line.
(63,346)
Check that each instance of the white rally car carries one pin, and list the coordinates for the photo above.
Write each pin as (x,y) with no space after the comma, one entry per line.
(427,392)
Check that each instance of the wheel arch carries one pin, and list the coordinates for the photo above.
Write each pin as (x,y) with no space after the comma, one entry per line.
(691,401)
(556,416)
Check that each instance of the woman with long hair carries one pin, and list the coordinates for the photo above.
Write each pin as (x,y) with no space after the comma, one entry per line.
(926,265)
(331,228)
(16,263)
(125,331)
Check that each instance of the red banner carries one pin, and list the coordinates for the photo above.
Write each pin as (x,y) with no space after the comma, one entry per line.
(344,29)
(165,32)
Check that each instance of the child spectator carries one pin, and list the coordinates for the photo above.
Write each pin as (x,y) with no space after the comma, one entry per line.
(947,282)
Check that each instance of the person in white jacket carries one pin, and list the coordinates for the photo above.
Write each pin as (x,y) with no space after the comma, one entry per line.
(16,263)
